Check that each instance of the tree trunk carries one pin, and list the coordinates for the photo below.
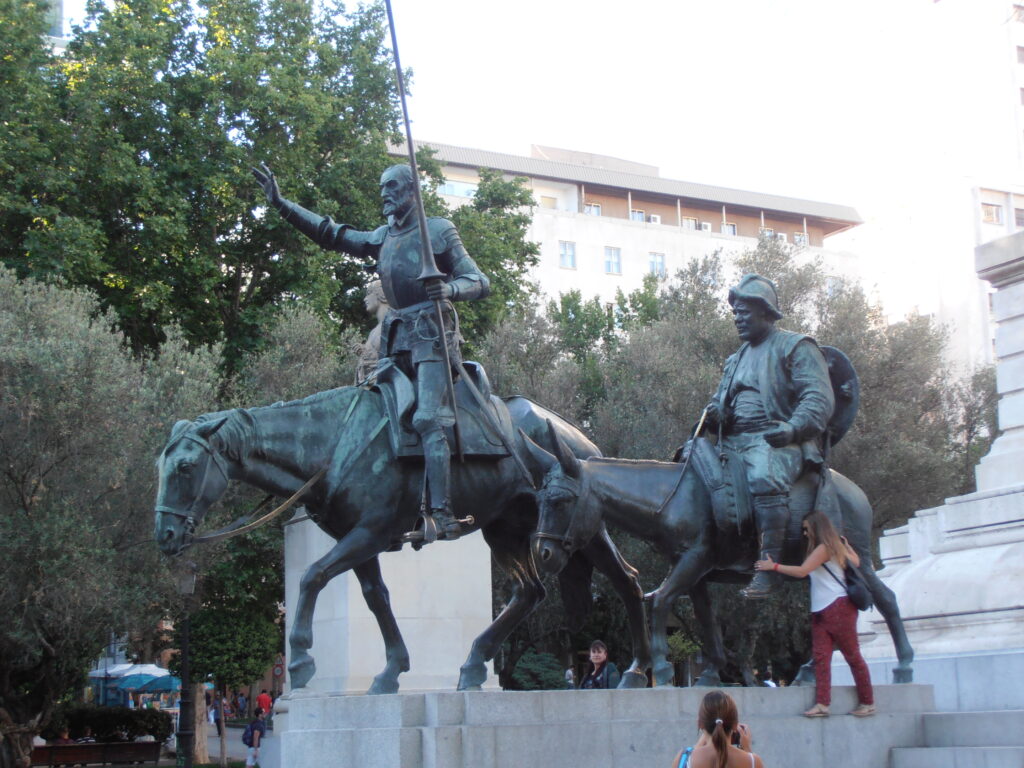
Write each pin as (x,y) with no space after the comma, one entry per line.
(223,733)
(200,719)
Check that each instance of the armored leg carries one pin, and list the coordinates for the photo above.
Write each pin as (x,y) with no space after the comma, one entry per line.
(432,414)
(771,514)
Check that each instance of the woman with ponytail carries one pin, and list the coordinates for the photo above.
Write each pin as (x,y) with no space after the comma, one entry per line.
(724,741)
(833,616)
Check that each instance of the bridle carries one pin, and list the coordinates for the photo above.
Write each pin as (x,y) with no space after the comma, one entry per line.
(189,514)
(562,482)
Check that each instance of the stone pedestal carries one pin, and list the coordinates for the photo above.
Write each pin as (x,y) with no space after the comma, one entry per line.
(596,729)
(441,597)
(958,569)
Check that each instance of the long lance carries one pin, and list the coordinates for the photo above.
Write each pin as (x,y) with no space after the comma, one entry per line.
(429,269)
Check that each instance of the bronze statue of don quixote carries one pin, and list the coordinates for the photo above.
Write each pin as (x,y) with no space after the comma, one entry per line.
(423,452)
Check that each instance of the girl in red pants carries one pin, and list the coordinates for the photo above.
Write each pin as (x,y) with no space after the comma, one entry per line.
(833,616)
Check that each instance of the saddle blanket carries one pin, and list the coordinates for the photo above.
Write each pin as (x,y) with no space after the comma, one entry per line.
(477,436)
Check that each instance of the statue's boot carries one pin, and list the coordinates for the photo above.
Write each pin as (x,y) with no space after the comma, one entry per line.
(441,523)
(771,514)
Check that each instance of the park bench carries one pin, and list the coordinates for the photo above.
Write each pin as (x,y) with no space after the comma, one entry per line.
(114,753)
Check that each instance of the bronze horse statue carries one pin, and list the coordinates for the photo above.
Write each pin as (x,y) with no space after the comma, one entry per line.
(579,496)
(367,499)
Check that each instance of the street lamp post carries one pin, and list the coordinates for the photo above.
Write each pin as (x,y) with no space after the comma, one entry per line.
(186,732)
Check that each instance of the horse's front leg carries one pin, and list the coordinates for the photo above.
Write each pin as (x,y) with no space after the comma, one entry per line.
(625,582)
(356,547)
(511,551)
(378,600)
(685,573)
(885,601)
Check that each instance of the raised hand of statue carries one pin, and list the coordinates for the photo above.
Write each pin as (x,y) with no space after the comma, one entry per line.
(438,290)
(779,435)
(265,178)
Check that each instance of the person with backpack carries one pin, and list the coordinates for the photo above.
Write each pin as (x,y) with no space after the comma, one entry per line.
(253,736)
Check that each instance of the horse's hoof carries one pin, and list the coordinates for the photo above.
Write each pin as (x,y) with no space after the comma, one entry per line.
(633,679)
(472,677)
(663,674)
(903,675)
(708,680)
(301,671)
(383,684)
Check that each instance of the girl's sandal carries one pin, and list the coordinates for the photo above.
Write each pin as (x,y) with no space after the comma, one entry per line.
(818,710)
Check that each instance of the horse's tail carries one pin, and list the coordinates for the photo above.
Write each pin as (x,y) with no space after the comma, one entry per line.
(574,584)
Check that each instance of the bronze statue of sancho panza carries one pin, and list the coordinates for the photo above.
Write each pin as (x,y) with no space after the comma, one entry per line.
(409,334)
(773,405)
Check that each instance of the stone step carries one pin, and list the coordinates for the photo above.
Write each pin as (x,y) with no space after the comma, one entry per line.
(599,729)
(1003,728)
(957,757)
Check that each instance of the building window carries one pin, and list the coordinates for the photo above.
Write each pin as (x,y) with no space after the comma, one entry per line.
(799,238)
(635,214)
(689,223)
(612,260)
(548,202)
(566,254)
(728,229)
(592,209)
(657,263)
(1020,54)
(991,214)
(1018,217)
(455,188)
(1018,13)
(767,232)
(1022,95)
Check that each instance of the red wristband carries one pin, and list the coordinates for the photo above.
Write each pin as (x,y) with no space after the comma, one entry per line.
(775,567)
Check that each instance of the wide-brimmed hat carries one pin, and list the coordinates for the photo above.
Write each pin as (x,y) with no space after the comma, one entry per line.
(753,287)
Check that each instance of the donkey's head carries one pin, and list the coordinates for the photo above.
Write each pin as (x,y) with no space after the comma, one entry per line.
(193,475)
(564,525)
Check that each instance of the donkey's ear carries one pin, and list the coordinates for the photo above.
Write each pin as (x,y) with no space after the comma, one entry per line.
(208,429)
(570,464)
(538,461)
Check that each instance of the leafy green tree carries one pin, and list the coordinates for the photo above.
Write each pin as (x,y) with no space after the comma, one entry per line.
(493,228)
(170,103)
(80,425)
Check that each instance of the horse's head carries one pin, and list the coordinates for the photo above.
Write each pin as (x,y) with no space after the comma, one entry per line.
(193,475)
(561,528)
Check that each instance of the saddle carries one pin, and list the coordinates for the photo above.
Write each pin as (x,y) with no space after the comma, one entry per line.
(477,436)
(731,503)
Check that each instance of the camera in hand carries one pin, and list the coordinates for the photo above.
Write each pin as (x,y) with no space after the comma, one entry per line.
(736,738)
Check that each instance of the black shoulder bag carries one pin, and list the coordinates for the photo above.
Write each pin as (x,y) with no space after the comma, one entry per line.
(856,588)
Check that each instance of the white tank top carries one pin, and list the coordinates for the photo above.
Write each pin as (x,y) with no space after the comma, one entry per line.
(824,589)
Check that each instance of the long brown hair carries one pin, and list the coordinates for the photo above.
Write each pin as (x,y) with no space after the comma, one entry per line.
(820,531)
(719,717)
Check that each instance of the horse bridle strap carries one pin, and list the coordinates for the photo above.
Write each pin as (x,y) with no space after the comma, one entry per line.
(246,523)
(577,488)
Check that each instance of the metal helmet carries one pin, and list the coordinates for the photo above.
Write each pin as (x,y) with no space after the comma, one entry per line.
(753,287)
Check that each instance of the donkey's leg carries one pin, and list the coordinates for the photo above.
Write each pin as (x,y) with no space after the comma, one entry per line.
(685,573)
(885,599)
(356,547)
(710,634)
(625,581)
(378,600)
(511,551)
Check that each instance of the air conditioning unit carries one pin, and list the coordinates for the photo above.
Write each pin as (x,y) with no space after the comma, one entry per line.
(781,237)
(705,226)
(654,218)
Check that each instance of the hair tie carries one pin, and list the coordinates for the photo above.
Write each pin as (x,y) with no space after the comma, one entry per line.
(718,721)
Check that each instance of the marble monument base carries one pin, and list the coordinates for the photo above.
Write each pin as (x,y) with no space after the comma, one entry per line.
(596,729)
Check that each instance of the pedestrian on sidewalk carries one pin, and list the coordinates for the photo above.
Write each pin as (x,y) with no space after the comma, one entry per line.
(833,616)
(253,737)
